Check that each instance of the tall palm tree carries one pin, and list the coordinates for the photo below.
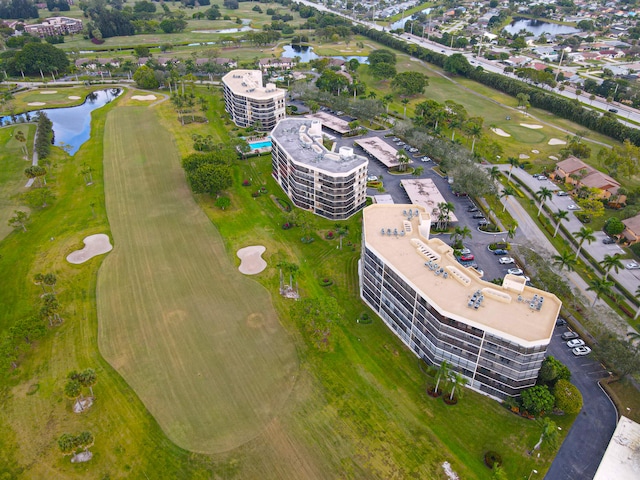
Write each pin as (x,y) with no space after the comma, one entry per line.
(565,260)
(637,294)
(443,372)
(456,379)
(475,130)
(459,234)
(542,195)
(444,209)
(600,286)
(386,100)
(559,216)
(514,162)
(511,231)
(405,102)
(494,173)
(403,160)
(584,234)
(611,262)
(506,193)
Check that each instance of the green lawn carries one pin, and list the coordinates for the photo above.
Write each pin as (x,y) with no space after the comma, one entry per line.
(12,178)
(53,96)
(359,411)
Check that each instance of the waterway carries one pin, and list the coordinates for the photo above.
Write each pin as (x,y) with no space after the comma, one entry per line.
(71,125)
(538,27)
(306,54)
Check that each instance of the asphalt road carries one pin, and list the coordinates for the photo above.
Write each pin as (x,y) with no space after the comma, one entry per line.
(581,452)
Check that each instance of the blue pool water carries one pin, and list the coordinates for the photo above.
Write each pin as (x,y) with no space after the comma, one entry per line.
(257,145)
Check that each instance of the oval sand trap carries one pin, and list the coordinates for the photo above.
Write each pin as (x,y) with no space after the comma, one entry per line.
(529,125)
(144,98)
(251,261)
(556,141)
(36,104)
(48,92)
(74,97)
(523,156)
(501,132)
(94,245)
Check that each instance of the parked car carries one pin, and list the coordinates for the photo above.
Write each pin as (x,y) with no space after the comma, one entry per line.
(515,271)
(560,322)
(576,342)
(580,351)
(425,159)
(562,193)
(506,260)
(569,336)
(467,258)
(472,209)
(478,215)
(608,240)
(541,177)
(465,251)
(483,222)
(613,110)
(632,265)
(500,251)
(573,207)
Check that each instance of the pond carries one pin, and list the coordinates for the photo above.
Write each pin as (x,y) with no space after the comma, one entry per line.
(306,54)
(538,27)
(400,23)
(72,125)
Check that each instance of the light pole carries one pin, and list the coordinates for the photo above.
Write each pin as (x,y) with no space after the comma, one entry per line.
(532,472)
(560,62)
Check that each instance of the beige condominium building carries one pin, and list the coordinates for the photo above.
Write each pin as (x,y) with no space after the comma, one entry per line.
(495,336)
(250,103)
(330,184)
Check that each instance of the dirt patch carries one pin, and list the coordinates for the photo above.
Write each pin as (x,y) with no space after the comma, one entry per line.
(93,245)
(36,104)
(530,125)
(144,98)
(499,131)
(556,141)
(451,475)
(251,261)
(82,457)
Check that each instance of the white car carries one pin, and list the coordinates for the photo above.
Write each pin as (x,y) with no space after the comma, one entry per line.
(576,342)
(515,271)
(632,265)
(573,207)
(465,251)
(506,260)
(580,351)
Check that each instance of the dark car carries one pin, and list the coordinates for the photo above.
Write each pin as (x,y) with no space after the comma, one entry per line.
(613,110)
(560,322)
(500,251)
(608,240)
(472,209)
(478,215)
(569,336)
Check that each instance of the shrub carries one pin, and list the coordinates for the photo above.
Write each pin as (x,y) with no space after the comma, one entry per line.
(568,397)
(330,235)
(286,226)
(537,400)
(492,459)
(326,282)
(246,183)
(255,194)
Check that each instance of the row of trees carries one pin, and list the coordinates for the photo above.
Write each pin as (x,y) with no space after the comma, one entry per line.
(44,136)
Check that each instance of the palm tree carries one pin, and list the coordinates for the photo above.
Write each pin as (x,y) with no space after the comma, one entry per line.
(459,234)
(543,194)
(38,280)
(600,286)
(559,216)
(386,100)
(511,231)
(19,136)
(73,390)
(514,162)
(565,260)
(456,379)
(88,378)
(637,293)
(50,280)
(443,372)
(611,262)
(444,209)
(506,193)
(494,173)
(475,130)
(405,102)
(403,160)
(584,234)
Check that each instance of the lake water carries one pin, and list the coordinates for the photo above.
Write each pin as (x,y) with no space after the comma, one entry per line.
(72,125)
(400,23)
(306,54)
(538,27)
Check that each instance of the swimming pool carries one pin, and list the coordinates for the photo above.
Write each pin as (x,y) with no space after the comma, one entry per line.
(257,145)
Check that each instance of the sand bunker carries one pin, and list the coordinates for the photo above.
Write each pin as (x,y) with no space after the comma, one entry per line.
(557,141)
(535,151)
(48,92)
(251,261)
(523,156)
(553,157)
(501,132)
(93,245)
(36,104)
(144,98)
(73,97)
(529,125)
